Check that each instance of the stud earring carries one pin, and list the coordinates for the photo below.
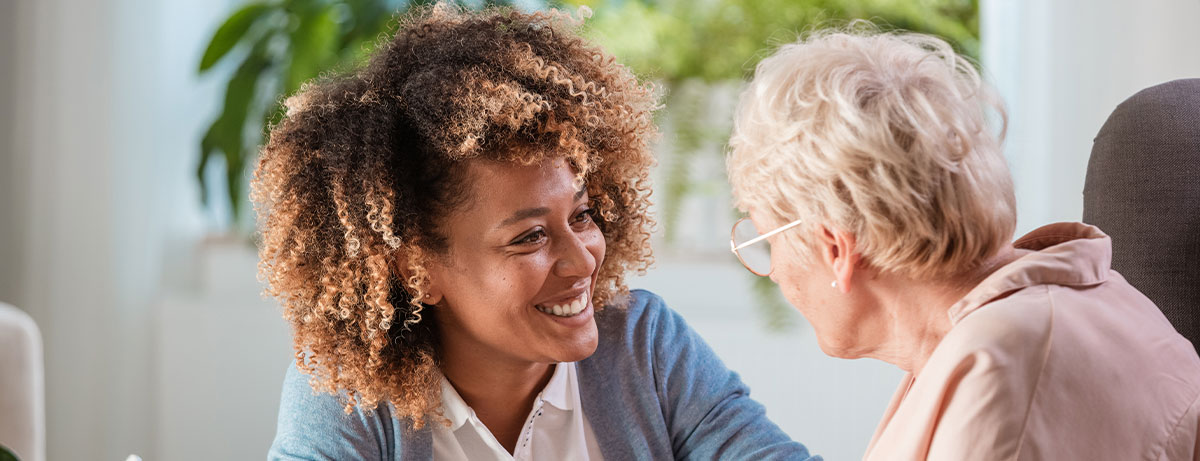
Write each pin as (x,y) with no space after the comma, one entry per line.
(833,284)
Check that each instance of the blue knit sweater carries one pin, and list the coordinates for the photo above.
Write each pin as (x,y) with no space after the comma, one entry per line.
(653,390)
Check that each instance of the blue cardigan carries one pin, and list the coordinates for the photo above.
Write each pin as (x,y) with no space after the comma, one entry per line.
(653,390)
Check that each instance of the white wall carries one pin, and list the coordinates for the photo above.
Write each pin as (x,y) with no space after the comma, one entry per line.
(9,227)
(107,112)
(220,355)
(64,145)
(1063,66)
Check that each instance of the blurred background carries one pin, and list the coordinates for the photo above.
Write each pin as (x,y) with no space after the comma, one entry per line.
(127,128)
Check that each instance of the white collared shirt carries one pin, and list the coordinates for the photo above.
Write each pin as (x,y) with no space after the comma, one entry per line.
(554,430)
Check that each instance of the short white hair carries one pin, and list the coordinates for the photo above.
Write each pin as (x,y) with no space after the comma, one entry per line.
(883,135)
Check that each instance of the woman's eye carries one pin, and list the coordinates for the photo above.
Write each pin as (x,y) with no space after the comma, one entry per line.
(531,238)
(585,216)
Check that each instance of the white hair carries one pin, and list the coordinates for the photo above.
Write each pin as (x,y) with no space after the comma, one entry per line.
(883,135)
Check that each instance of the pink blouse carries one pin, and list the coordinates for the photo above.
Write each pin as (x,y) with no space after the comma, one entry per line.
(1053,357)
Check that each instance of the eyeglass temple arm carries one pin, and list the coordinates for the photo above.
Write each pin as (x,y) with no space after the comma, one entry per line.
(764,236)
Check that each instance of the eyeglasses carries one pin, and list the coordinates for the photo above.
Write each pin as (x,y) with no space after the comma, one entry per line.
(757,259)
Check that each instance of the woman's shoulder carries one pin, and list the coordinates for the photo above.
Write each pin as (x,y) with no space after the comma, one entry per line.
(316,425)
(643,333)
(1001,345)
(632,329)
(639,315)
(1019,324)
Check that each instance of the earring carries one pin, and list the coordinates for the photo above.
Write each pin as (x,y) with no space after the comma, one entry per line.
(833,284)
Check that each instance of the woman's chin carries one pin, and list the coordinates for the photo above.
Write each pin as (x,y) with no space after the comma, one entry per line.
(575,357)
(580,347)
(836,349)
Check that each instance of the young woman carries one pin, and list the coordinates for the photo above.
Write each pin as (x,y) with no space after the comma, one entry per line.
(448,230)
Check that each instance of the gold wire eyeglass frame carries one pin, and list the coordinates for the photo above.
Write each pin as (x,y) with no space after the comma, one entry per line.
(736,247)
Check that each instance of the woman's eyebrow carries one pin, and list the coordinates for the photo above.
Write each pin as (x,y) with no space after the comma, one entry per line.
(533,212)
(524,214)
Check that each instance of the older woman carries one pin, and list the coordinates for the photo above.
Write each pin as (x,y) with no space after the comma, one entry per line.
(448,231)
(866,165)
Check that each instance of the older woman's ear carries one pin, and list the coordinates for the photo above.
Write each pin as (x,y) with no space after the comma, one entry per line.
(839,251)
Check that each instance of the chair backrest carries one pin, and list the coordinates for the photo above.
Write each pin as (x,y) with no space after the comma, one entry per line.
(22,386)
(1143,190)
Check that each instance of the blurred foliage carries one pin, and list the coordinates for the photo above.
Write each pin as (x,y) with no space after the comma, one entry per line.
(774,311)
(274,47)
(716,40)
(677,42)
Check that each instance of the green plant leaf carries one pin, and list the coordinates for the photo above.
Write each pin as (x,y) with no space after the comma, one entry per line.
(226,135)
(207,148)
(314,46)
(231,32)
(7,455)
(239,97)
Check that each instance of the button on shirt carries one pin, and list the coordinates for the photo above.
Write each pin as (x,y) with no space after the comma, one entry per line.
(555,429)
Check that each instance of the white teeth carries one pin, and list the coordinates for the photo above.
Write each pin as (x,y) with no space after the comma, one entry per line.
(567,310)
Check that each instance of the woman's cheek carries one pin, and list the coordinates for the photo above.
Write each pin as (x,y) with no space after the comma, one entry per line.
(598,245)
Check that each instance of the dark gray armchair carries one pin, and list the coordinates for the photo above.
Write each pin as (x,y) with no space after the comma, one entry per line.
(1143,190)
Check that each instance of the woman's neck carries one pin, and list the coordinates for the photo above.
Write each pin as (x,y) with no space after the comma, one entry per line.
(500,390)
(913,316)
(911,323)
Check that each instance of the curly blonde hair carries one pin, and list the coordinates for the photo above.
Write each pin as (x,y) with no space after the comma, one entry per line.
(883,135)
(351,184)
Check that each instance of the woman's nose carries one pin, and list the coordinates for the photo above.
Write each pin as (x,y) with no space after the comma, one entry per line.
(575,257)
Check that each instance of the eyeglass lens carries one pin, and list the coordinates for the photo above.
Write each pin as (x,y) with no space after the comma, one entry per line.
(756,257)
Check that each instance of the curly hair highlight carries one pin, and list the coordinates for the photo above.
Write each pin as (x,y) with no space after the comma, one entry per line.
(351,184)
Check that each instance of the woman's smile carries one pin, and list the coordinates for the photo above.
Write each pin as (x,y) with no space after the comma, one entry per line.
(572,312)
(568,307)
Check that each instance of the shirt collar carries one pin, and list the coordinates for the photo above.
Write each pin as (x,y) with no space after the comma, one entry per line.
(454,407)
(1072,254)
(562,392)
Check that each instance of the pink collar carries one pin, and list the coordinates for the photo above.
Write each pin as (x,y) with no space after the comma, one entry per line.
(1068,253)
